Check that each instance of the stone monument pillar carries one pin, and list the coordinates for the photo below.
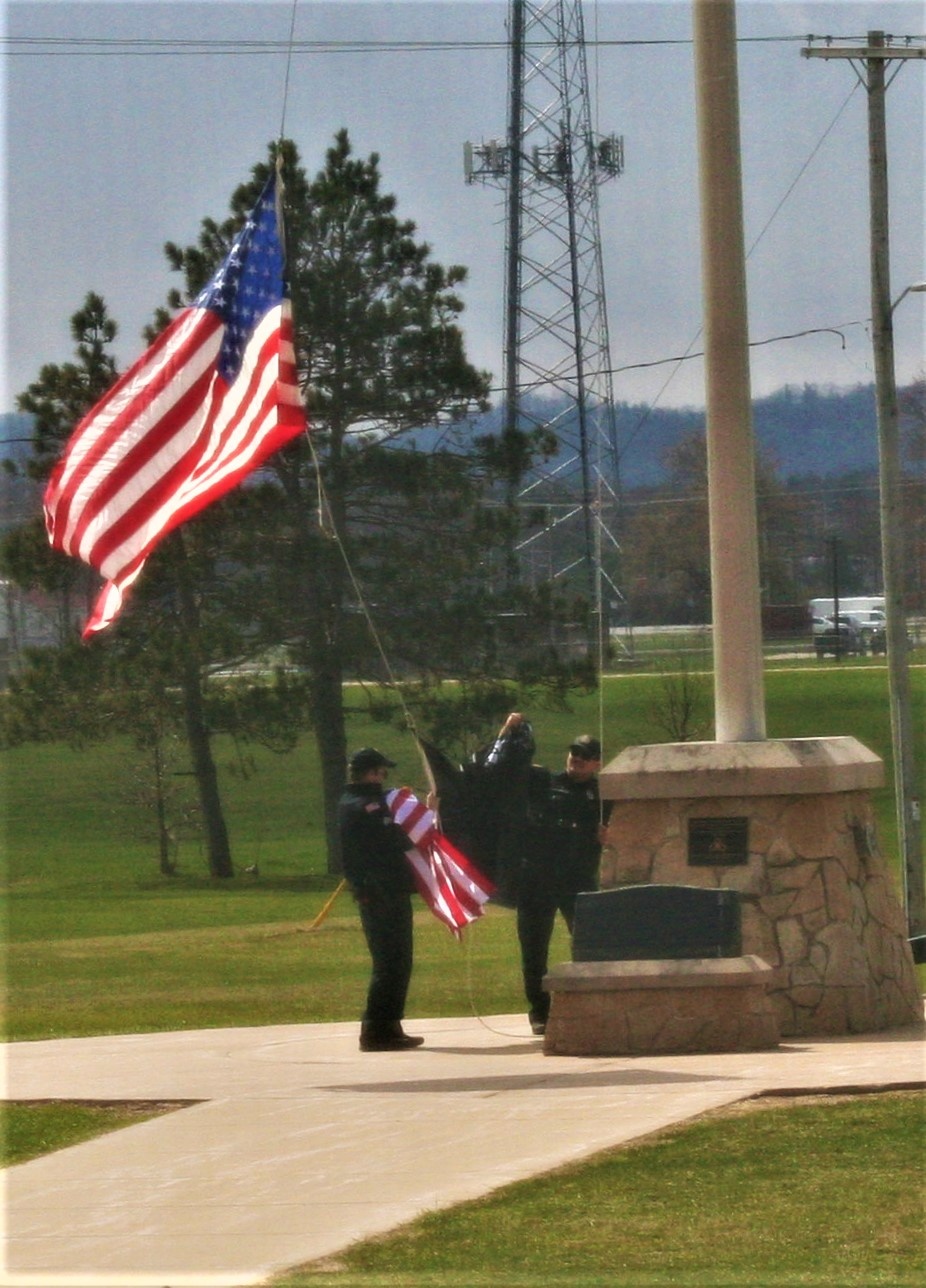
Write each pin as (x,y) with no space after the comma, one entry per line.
(789,824)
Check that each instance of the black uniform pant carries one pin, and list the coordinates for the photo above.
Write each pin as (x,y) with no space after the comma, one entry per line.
(387,925)
(537,909)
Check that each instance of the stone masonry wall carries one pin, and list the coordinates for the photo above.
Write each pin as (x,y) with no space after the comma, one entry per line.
(817,900)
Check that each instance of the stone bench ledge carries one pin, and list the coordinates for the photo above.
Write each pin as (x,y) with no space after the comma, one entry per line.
(658,1007)
(693,972)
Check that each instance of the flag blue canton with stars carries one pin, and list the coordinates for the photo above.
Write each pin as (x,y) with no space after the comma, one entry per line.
(249,282)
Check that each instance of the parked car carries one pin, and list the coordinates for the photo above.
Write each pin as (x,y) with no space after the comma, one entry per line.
(870,624)
(840,637)
(878,641)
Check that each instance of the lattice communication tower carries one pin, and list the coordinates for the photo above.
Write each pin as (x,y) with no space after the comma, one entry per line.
(557,363)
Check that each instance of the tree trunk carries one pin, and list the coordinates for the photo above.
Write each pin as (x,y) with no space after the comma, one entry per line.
(197,730)
(207,780)
(160,805)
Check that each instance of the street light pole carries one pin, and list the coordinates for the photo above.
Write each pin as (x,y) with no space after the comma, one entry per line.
(916,286)
(906,791)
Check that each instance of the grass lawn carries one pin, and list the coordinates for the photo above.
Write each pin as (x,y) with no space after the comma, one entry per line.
(98,941)
(268,972)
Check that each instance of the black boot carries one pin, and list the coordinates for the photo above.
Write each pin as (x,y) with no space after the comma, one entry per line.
(406,1039)
(391,1038)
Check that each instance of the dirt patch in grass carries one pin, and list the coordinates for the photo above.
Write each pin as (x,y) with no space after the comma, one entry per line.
(140,1107)
(816,1096)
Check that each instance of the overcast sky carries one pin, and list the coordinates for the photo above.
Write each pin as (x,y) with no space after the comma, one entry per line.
(111,154)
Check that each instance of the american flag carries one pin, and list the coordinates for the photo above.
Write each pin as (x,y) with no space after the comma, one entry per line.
(454,890)
(214,395)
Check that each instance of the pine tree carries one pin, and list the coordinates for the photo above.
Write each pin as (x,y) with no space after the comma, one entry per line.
(381,355)
(169,630)
(56,401)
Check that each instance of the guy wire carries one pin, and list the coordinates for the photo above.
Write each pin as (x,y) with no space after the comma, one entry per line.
(326,518)
(329,528)
(467,946)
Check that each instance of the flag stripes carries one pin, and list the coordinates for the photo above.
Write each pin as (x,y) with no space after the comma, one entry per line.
(452,887)
(136,426)
(214,395)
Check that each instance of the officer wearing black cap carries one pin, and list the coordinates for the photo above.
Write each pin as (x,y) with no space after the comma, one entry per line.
(373,850)
(562,848)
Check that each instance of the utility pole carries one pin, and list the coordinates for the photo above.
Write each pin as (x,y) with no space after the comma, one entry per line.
(870,63)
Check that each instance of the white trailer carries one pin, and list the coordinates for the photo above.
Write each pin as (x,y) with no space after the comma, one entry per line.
(849,604)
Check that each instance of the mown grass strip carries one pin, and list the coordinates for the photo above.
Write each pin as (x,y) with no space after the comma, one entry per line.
(36,1127)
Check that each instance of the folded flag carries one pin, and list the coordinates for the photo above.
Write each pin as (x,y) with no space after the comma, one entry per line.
(215,394)
(452,887)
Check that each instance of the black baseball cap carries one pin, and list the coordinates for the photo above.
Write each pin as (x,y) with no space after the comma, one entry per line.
(369,758)
(586,747)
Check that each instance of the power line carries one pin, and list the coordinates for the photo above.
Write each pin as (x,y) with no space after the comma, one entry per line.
(753,344)
(679,358)
(768,223)
(113,46)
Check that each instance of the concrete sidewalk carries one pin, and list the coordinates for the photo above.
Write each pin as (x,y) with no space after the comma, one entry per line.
(297,1145)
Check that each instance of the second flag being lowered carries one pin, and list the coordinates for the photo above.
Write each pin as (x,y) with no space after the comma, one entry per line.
(213,397)
(450,885)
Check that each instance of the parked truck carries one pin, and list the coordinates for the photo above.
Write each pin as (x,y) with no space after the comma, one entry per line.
(863,614)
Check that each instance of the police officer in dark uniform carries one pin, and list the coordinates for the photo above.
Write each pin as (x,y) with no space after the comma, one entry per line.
(564,833)
(373,850)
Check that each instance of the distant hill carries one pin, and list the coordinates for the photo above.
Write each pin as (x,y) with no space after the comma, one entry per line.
(809,430)
(15,435)
(818,431)
(806,431)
